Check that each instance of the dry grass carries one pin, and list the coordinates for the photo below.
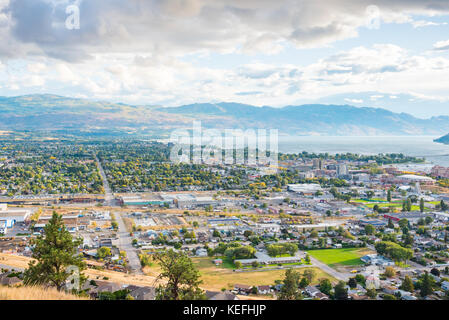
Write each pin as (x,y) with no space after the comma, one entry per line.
(15,261)
(216,278)
(35,293)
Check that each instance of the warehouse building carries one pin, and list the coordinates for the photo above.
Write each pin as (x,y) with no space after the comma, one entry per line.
(9,217)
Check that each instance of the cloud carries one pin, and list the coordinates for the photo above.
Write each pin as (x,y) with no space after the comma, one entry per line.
(441,45)
(357,101)
(179,27)
(424,23)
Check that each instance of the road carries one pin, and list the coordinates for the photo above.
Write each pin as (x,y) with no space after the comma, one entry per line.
(125,240)
(334,273)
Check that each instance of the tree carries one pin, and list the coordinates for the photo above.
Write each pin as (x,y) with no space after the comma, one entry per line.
(421,205)
(408,205)
(304,282)
(309,274)
(238,264)
(403,223)
(435,272)
(104,252)
(372,293)
(360,279)
(54,252)
(389,195)
(426,285)
(390,272)
(181,275)
(352,283)
(290,289)
(307,259)
(390,224)
(407,284)
(255,264)
(325,286)
(369,229)
(340,291)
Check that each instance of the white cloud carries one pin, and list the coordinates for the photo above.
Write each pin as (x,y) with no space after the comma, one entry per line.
(356,101)
(441,45)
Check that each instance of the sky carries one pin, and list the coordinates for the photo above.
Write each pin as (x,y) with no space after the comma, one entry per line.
(386,54)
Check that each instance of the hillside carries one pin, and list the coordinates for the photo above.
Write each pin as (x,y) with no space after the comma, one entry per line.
(34,293)
(56,114)
(443,139)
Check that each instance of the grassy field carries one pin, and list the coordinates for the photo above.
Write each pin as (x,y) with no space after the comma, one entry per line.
(394,204)
(218,277)
(340,257)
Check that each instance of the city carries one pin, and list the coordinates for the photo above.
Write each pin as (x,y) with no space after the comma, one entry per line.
(340,222)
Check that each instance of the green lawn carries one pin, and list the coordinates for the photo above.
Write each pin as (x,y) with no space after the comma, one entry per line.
(340,257)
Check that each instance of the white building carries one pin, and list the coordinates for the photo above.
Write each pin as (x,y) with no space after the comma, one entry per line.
(304,188)
(9,217)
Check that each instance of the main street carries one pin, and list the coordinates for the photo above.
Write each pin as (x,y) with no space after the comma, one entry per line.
(125,240)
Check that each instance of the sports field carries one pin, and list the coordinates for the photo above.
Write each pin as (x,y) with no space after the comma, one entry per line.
(340,257)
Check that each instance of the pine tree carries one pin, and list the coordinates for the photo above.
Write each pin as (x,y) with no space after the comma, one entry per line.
(426,285)
(407,284)
(54,252)
(421,205)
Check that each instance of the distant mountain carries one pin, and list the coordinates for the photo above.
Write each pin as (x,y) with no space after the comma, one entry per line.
(313,119)
(444,139)
(62,114)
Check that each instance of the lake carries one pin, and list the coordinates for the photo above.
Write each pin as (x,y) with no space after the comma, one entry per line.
(418,146)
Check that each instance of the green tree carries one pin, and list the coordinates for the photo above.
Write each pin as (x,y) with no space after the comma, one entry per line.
(408,205)
(352,283)
(389,196)
(340,291)
(407,284)
(372,293)
(390,224)
(54,252)
(181,276)
(304,282)
(325,286)
(421,205)
(290,289)
(369,229)
(307,259)
(426,285)
(310,275)
(403,223)
(104,252)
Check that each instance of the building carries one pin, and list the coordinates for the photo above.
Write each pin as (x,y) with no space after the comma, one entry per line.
(342,170)
(412,178)
(9,217)
(440,172)
(378,260)
(304,188)
(318,164)
(138,201)
(70,222)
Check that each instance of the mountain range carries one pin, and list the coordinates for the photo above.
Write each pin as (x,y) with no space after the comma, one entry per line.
(62,114)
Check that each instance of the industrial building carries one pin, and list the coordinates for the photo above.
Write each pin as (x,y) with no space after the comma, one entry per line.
(304,188)
(9,217)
